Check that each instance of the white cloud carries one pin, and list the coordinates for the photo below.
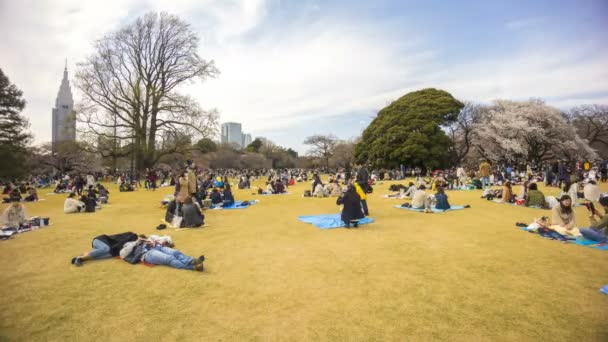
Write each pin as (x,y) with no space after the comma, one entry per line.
(313,67)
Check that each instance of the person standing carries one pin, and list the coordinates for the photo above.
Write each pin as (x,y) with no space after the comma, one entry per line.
(484,173)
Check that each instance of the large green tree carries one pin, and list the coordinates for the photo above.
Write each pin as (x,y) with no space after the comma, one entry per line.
(13,129)
(409,131)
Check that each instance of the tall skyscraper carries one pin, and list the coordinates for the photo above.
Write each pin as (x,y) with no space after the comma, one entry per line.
(64,121)
(232,133)
(246,139)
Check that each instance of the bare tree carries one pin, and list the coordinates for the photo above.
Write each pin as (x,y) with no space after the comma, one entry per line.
(130,86)
(343,154)
(462,132)
(591,122)
(322,146)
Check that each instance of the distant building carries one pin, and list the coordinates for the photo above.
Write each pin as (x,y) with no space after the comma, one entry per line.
(64,120)
(232,133)
(246,140)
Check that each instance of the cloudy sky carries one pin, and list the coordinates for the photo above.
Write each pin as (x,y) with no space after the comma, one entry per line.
(290,69)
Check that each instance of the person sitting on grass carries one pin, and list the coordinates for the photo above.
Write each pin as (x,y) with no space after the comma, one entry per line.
(351,211)
(279,188)
(104,194)
(441,199)
(228,197)
(89,203)
(32,194)
(192,215)
(72,205)
(563,218)
(507,192)
(334,188)
(422,200)
(534,198)
(105,246)
(597,231)
(14,216)
(319,191)
(411,190)
(216,197)
(149,251)
(13,196)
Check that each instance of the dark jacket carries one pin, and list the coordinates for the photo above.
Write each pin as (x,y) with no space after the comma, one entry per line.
(171,206)
(192,216)
(363,176)
(228,197)
(116,242)
(216,198)
(442,202)
(352,206)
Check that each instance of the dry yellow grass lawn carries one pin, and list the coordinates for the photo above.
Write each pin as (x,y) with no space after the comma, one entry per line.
(460,276)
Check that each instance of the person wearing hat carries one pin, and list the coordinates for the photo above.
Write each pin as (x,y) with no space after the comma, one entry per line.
(599,223)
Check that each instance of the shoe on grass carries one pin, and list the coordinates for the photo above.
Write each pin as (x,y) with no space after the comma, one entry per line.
(77,261)
(199,267)
(198,260)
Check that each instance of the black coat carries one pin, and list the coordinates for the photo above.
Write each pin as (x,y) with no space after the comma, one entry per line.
(352,206)
(116,242)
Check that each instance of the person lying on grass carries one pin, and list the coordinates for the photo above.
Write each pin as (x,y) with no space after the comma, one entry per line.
(105,246)
(152,252)
(351,211)
(597,231)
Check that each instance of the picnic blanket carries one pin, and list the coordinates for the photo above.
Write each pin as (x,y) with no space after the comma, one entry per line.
(237,205)
(523,206)
(330,220)
(452,208)
(516,205)
(581,241)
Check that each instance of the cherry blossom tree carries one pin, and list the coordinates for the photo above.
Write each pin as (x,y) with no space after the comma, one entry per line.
(527,131)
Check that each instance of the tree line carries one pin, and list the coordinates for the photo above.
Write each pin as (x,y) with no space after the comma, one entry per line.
(133,114)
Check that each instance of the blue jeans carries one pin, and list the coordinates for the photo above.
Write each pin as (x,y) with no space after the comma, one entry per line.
(159,255)
(595,235)
(100,250)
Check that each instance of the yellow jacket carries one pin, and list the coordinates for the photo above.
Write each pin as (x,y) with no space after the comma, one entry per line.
(360,192)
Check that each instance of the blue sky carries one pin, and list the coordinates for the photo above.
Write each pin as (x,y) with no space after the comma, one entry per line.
(290,69)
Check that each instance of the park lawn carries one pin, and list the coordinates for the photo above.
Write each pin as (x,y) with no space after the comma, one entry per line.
(466,275)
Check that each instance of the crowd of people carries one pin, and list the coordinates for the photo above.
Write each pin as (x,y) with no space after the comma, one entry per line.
(196,189)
